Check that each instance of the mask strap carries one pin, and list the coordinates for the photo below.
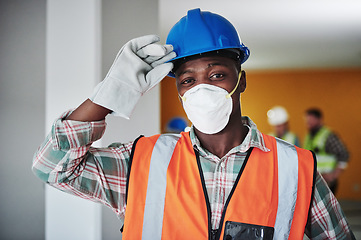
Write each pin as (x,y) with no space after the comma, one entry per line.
(239,77)
(183,98)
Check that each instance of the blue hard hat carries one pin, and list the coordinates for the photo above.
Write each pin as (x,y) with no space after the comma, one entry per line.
(177,124)
(201,32)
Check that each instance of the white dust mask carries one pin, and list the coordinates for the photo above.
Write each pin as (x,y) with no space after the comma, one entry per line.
(208,107)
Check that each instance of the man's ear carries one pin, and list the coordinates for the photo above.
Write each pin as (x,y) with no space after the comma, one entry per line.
(242,81)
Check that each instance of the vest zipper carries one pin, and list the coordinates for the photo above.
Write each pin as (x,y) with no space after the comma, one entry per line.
(214,234)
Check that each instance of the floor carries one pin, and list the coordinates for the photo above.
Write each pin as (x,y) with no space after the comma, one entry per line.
(352,211)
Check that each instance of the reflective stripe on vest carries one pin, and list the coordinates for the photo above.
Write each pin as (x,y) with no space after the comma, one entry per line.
(318,141)
(153,182)
(287,188)
(157,182)
(325,162)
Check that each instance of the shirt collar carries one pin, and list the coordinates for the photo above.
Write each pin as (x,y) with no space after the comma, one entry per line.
(254,138)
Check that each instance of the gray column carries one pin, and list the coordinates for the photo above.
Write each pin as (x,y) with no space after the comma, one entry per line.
(123,20)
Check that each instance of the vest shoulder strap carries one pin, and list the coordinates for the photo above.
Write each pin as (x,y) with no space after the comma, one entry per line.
(164,138)
(149,158)
(295,170)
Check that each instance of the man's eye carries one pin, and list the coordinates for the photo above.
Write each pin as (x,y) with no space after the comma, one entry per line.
(217,76)
(187,81)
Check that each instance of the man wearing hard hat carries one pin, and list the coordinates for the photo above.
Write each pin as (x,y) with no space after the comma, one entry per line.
(332,154)
(221,180)
(278,119)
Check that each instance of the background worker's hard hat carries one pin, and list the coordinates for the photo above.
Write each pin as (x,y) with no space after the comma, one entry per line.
(277,115)
(201,31)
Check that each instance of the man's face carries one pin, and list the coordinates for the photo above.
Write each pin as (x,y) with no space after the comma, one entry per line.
(312,122)
(281,129)
(219,71)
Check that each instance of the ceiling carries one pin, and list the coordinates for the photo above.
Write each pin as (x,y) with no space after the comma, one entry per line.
(283,34)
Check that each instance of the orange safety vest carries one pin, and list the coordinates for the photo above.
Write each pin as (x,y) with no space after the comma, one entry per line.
(167,197)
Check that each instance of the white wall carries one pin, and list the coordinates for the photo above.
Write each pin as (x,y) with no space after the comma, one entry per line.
(22,104)
(22,119)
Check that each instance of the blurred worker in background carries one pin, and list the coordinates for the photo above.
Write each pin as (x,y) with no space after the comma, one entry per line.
(278,119)
(223,179)
(332,155)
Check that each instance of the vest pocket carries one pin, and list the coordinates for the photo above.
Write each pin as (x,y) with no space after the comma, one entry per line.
(238,231)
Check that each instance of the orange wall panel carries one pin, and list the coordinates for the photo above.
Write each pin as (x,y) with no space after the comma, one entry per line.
(170,103)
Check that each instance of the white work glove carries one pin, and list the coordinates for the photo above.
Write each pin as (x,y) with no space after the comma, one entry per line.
(138,67)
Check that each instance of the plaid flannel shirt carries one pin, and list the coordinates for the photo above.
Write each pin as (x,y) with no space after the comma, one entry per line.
(335,146)
(66,160)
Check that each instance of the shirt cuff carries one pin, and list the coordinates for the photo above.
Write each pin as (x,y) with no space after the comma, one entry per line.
(70,134)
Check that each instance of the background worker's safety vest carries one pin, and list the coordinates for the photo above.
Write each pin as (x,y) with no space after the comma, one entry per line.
(325,162)
(288,137)
(167,196)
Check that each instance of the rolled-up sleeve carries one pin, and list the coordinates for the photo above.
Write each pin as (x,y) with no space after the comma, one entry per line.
(66,160)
